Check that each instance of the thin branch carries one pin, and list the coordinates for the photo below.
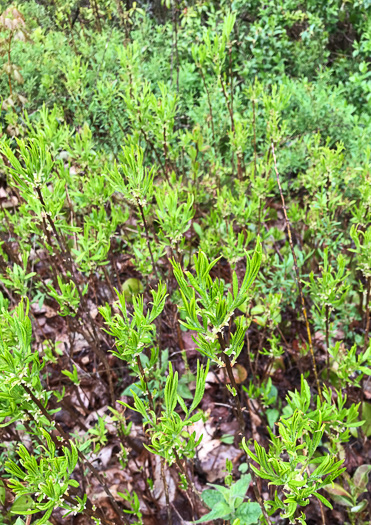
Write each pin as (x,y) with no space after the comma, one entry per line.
(304,310)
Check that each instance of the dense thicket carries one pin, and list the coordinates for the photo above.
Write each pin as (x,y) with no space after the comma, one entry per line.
(185,268)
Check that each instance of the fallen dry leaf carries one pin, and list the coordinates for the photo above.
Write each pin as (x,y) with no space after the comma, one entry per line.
(239,373)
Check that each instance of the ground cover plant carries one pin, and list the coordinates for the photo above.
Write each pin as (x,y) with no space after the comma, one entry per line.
(185,269)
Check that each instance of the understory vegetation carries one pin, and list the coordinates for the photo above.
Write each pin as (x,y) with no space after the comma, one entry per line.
(185,262)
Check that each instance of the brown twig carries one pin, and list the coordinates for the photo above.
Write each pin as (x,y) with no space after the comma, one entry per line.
(147,235)
(254,131)
(327,308)
(144,377)
(241,423)
(166,489)
(236,400)
(209,104)
(304,310)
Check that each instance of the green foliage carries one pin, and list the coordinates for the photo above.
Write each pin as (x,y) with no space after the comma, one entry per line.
(135,182)
(338,420)
(133,333)
(210,311)
(357,487)
(350,366)
(68,299)
(330,289)
(299,438)
(49,479)
(168,434)
(19,367)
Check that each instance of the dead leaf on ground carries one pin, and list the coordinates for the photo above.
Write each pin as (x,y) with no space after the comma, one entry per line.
(211,453)
(103,457)
(45,310)
(79,343)
(239,373)
(189,344)
(213,459)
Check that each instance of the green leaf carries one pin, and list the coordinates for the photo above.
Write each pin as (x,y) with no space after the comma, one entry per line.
(184,391)
(211,497)
(243,307)
(249,513)
(22,504)
(133,387)
(227,439)
(2,493)
(339,495)
(197,228)
(366,416)
(220,510)
(360,478)
(73,483)
(239,488)
(170,393)
(272,416)
(182,404)
(360,506)
(73,376)
(200,385)
(257,310)
(323,500)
